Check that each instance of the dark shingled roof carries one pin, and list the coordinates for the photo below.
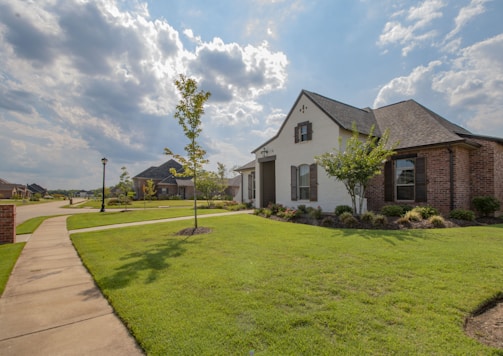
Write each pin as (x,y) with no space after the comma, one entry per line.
(249,165)
(162,173)
(413,125)
(345,115)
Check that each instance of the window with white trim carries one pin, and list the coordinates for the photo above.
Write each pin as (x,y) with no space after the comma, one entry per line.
(304,182)
(405,179)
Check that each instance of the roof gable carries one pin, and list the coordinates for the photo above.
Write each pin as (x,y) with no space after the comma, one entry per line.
(341,114)
(412,125)
(161,173)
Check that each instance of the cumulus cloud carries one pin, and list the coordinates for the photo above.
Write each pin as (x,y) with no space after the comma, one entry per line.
(407,87)
(89,79)
(475,83)
(466,14)
(412,26)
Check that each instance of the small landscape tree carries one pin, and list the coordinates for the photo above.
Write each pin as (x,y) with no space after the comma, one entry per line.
(148,191)
(189,110)
(359,162)
(208,185)
(125,186)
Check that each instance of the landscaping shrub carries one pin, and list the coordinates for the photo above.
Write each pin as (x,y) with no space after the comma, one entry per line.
(392,210)
(339,209)
(302,209)
(462,214)
(113,201)
(327,221)
(379,220)
(347,219)
(368,217)
(486,205)
(315,213)
(437,221)
(426,211)
(275,208)
(413,215)
(288,214)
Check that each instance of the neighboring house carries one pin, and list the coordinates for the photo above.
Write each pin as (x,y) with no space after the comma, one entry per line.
(437,162)
(35,188)
(12,190)
(165,183)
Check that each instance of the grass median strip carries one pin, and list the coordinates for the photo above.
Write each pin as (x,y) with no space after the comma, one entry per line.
(281,288)
(9,254)
(81,221)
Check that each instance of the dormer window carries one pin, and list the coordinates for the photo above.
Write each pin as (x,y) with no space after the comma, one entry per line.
(303,132)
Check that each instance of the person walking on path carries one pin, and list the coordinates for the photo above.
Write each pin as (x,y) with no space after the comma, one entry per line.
(51,305)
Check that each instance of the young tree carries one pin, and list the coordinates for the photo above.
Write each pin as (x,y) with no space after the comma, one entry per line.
(189,110)
(208,185)
(357,164)
(125,186)
(222,181)
(148,191)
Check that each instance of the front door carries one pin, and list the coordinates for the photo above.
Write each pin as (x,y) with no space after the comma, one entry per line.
(268,183)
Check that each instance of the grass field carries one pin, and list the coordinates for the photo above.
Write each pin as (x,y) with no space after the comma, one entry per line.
(139,204)
(283,289)
(9,254)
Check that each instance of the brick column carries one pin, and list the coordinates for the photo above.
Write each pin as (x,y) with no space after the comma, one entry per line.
(7,224)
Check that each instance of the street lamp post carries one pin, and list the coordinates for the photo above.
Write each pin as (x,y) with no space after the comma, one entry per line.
(104,161)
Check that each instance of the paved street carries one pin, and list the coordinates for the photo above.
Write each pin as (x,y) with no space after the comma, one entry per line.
(29,211)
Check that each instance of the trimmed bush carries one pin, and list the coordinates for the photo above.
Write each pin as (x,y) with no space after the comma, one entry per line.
(392,210)
(486,205)
(413,215)
(368,216)
(302,209)
(339,209)
(113,201)
(462,214)
(426,211)
(379,220)
(315,213)
(437,221)
(327,221)
(347,219)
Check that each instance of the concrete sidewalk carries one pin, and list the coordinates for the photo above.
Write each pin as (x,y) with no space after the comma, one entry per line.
(51,305)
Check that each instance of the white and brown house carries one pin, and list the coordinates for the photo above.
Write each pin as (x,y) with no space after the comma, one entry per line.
(437,162)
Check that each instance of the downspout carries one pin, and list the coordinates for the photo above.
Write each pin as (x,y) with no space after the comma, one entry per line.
(242,188)
(451,177)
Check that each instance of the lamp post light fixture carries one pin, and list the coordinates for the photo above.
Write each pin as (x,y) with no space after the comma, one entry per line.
(104,161)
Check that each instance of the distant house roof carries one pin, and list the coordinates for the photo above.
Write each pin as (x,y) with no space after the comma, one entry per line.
(249,165)
(35,188)
(162,173)
(3,181)
(234,181)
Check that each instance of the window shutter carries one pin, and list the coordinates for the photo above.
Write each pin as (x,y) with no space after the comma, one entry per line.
(250,186)
(388,181)
(421,179)
(293,180)
(297,133)
(313,182)
(309,131)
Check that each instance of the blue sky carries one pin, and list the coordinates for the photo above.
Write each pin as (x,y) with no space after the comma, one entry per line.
(80,80)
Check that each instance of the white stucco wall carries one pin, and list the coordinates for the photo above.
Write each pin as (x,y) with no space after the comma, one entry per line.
(326,132)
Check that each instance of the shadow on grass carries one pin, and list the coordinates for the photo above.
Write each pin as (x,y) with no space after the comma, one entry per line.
(153,260)
(389,236)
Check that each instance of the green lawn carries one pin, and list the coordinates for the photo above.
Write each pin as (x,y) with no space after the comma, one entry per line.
(81,221)
(141,204)
(283,289)
(8,257)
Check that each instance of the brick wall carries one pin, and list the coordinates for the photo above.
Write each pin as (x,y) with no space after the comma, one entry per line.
(471,175)
(7,224)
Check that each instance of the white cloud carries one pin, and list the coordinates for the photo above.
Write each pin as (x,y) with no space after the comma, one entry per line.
(410,30)
(91,78)
(476,7)
(406,87)
(475,83)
